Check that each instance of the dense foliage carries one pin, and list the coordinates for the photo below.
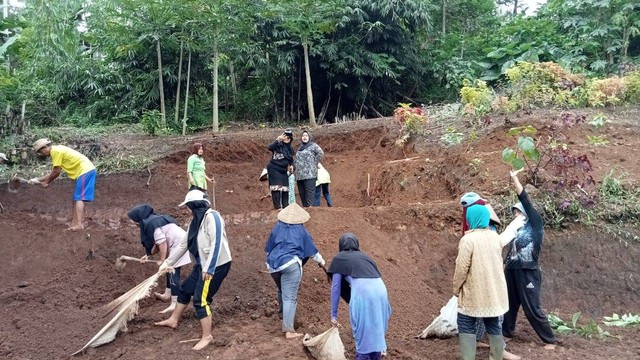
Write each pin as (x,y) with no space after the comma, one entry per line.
(181,65)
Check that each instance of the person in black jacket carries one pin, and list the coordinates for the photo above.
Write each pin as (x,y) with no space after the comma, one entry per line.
(281,162)
(522,271)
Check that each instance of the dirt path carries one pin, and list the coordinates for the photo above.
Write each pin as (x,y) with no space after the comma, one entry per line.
(55,282)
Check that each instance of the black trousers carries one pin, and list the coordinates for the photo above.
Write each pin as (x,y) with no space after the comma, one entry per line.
(307,191)
(523,286)
(201,290)
(280,199)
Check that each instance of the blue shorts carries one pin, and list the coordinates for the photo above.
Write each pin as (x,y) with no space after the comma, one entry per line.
(85,186)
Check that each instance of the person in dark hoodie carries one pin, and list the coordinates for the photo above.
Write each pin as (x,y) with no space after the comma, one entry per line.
(355,277)
(208,246)
(161,234)
(288,248)
(306,163)
(522,272)
(281,162)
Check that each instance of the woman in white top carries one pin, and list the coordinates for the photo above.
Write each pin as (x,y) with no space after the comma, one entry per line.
(209,248)
(161,234)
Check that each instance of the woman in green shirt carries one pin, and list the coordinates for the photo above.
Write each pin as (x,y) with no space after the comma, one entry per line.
(196,169)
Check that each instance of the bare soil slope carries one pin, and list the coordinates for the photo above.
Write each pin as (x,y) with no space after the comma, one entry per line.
(55,282)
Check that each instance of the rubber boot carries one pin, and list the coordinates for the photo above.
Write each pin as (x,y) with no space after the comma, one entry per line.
(329,201)
(169,309)
(467,346)
(496,342)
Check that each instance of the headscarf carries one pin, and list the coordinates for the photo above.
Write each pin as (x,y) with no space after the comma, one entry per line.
(478,217)
(286,149)
(304,145)
(467,200)
(521,208)
(195,147)
(198,209)
(149,221)
(350,261)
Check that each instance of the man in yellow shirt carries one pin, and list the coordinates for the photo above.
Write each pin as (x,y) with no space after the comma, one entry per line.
(78,167)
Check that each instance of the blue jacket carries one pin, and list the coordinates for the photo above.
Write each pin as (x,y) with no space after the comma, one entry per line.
(287,241)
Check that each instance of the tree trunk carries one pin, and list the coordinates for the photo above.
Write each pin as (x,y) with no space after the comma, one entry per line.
(299,86)
(233,82)
(186,97)
(215,87)
(23,125)
(365,97)
(515,7)
(177,112)
(307,74)
(444,18)
(160,85)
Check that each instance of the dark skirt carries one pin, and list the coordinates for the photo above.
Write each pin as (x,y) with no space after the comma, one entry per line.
(277,174)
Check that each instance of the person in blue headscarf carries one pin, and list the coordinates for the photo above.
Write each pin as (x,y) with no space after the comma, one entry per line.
(480,284)
(355,277)
(288,249)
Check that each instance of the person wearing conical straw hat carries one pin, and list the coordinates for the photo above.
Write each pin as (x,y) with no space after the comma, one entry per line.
(288,249)
(78,167)
(3,158)
(209,248)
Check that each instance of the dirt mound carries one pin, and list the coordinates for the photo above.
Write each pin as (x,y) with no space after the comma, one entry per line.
(56,282)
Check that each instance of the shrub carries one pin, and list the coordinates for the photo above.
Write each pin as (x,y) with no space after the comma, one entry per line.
(477,97)
(606,92)
(632,84)
(547,84)
(411,119)
(152,123)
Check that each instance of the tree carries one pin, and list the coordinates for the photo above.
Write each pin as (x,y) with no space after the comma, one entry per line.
(307,22)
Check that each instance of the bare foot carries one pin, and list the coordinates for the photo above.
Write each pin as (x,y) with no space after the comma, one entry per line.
(75,228)
(202,343)
(509,356)
(480,344)
(169,309)
(292,335)
(163,297)
(550,346)
(168,323)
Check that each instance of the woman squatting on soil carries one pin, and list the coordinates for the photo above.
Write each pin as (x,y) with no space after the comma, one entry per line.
(281,162)
(207,243)
(78,167)
(522,271)
(197,169)
(288,248)
(161,234)
(306,163)
(480,284)
(355,277)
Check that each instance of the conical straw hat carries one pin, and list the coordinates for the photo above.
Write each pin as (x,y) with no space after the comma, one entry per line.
(293,214)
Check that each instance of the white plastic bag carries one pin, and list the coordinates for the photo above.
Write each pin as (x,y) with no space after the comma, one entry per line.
(326,346)
(446,324)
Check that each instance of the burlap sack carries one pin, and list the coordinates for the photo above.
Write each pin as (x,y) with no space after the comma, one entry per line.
(326,346)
